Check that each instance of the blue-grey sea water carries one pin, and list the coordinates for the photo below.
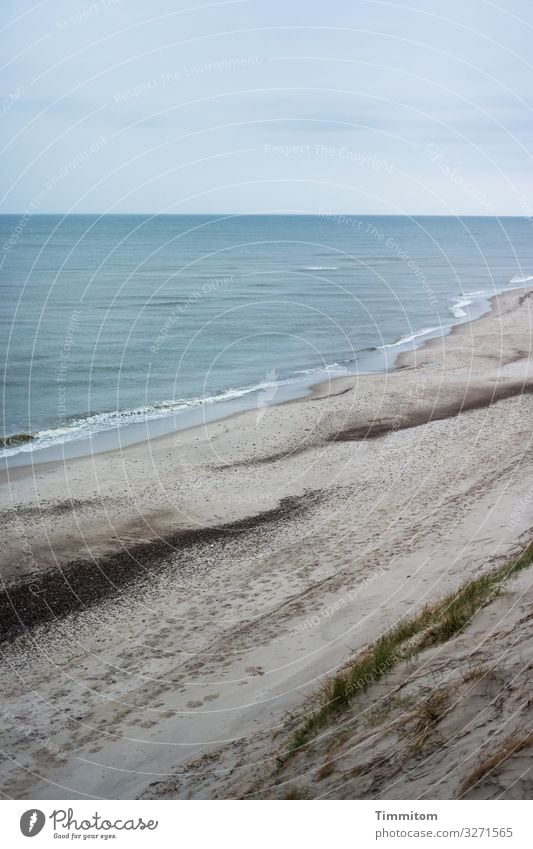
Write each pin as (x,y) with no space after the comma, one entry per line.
(113,319)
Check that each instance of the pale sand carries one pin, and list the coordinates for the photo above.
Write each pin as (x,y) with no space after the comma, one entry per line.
(216,630)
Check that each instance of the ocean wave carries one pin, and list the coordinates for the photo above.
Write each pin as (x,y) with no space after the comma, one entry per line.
(335,367)
(89,425)
(457,309)
(411,337)
(320,267)
(521,278)
(464,300)
(16,439)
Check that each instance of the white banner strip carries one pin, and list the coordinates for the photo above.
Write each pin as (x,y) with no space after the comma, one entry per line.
(279,824)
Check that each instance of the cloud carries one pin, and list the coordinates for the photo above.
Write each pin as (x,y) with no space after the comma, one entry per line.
(169,88)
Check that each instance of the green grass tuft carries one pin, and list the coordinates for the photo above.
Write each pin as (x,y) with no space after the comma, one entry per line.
(435,624)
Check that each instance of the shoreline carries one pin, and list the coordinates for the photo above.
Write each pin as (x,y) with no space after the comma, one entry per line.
(192,590)
(396,415)
(197,415)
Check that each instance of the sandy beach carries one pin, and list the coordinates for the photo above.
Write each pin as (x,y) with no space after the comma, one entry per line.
(168,609)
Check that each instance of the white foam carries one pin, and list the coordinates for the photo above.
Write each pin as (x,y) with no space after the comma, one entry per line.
(457,309)
(411,337)
(321,267)
(334,367)
(521,278)
(464,300)
(88,426)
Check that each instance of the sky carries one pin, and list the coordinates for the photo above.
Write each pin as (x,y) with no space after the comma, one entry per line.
(347,106)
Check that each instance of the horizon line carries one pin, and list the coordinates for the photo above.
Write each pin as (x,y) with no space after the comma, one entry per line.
(263,214)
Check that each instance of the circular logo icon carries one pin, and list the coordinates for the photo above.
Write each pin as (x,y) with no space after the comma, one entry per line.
(31,822)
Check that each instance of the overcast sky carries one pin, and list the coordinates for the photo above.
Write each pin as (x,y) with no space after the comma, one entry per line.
(357,106)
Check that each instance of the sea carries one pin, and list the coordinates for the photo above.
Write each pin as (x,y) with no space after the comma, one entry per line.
(118,328)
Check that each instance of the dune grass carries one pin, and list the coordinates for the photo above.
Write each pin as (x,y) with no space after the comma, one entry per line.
(435,624)
(510,747)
